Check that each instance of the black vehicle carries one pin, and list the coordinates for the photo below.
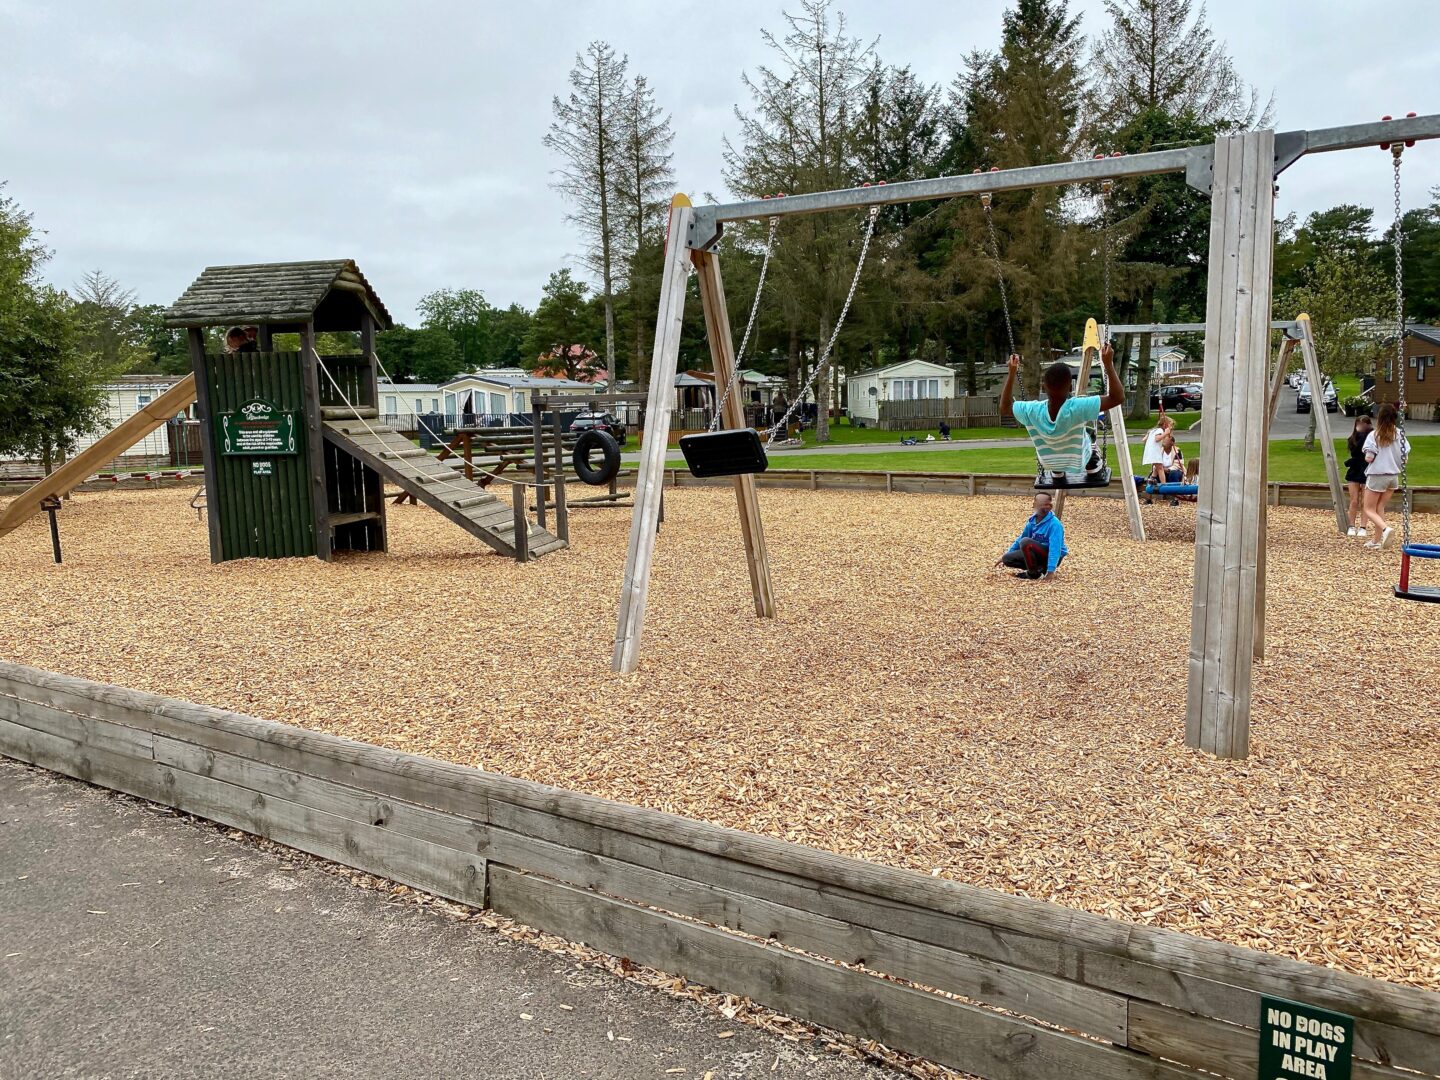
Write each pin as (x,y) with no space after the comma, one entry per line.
(1177,398)
(604,421)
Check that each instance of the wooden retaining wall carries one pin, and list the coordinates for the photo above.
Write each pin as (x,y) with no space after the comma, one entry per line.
(1022,988)
(1426,499)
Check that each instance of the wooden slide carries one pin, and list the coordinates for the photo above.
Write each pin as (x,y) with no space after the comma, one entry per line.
(110,446)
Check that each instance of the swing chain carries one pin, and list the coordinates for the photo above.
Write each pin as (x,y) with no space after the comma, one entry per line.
(782,424)
(749,327)
(999,269)
(1396,149)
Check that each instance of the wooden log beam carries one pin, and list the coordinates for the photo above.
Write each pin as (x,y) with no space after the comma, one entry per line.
(1277,380)
(1229,523)
(650,477)
(1322,422)
(722,357)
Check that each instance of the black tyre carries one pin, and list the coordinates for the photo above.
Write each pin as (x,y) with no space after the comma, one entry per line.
(609,466)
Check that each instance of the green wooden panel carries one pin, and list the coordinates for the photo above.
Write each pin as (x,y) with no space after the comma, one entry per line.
(263,503)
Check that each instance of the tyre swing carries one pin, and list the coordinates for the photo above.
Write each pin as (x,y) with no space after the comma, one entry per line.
(1045,480)
(590,440)
(1405,590)
(737,451)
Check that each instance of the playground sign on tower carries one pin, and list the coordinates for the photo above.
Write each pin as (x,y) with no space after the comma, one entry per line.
(257,427)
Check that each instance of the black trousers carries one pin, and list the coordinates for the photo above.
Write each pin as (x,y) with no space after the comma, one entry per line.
(1031,556)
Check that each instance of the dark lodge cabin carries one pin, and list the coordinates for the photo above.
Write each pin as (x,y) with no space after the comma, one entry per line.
(1422,376)
(296,456)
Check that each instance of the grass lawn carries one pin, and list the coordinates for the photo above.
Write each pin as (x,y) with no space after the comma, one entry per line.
(1289,461)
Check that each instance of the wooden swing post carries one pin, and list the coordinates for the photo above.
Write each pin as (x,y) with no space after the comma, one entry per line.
(1322,422)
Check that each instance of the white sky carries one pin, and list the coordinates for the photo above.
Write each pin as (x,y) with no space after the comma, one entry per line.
(152,139)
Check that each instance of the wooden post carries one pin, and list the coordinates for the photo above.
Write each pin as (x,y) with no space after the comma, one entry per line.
(723,360)
(207,453)
(538,439)
(1229,522)
(562,512)
(1322,422)
(522,526)
(315,443)
(374,483)
(650,476)
(1277,380)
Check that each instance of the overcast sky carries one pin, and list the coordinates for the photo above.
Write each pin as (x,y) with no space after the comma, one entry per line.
(152,139)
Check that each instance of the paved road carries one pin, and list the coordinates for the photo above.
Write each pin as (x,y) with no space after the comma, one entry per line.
(138,944)
(1288,425)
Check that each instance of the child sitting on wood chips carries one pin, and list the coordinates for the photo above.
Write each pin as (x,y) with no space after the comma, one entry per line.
(1040,546)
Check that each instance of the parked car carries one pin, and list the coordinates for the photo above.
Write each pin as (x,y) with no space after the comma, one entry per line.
(1303,396)
(604,421)
(1294,379)
(1177,397)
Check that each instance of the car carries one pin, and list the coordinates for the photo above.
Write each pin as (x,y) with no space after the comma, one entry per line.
(601,421)
(1177,397)
(1303,397)
(1294,379)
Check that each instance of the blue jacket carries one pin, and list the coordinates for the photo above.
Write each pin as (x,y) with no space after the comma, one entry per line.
(1049,532)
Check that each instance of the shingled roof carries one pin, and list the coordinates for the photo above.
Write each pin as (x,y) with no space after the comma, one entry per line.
(332,293)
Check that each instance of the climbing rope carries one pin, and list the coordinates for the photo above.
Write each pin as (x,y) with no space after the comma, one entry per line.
(733,381)
(824,358)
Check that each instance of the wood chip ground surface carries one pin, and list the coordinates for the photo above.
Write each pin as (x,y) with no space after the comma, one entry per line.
(909,705)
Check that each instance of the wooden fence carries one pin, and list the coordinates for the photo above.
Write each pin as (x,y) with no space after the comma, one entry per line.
(919,414)
(994,985)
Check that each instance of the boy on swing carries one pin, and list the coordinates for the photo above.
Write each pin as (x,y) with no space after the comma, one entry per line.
(1057,422)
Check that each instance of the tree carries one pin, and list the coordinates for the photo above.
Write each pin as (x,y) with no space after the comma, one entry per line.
(1339,288)
(1153,57)
(508,329)
(803,134)
(466,316)
(643,181)
(575,361)
(52,392)
(564,318)
(163,350)
(586,133)
(427,355)
(103,312)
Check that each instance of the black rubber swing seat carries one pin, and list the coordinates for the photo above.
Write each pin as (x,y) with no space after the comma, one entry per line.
(724,453)
(1047,481)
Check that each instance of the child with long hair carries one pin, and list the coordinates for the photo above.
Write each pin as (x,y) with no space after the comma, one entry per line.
(1355,473)
(1385,451)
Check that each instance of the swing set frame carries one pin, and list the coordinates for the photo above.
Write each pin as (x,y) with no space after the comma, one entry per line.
(1238,172)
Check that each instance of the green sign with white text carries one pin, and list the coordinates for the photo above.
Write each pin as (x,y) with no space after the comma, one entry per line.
(1301,1041)
(257,427)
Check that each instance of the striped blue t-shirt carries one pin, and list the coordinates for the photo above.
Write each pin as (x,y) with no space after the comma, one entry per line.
(1062,444)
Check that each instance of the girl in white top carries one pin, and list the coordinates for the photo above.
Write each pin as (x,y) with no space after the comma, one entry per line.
(1385,452)
(1153,460)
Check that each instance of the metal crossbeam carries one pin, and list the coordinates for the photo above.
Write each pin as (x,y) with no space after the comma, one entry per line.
(1184,327)
(1194,161)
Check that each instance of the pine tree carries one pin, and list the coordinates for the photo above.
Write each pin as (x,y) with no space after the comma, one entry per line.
(587,134)
(1153,57)
(803,133)
(644,181)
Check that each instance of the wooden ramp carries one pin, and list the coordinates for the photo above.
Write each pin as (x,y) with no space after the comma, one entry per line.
(101,452)
(434,483)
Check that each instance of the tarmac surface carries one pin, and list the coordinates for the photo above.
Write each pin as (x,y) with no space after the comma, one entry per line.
(138,943)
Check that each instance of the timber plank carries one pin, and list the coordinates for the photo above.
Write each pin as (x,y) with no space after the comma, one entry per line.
(914,1021)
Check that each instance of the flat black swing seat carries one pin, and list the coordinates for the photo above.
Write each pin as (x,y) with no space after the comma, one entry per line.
(724,453)
(1426,594)
(1047,481)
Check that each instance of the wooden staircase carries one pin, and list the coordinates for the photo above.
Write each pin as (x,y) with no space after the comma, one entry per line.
(486,517)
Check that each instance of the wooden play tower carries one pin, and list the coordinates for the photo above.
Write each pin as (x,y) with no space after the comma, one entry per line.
(296,457)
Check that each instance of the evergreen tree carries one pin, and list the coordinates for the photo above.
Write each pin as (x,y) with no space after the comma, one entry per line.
(587,133)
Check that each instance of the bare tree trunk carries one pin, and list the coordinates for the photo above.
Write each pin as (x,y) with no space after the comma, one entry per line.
(792,375)
(47,455)
(1142,365)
